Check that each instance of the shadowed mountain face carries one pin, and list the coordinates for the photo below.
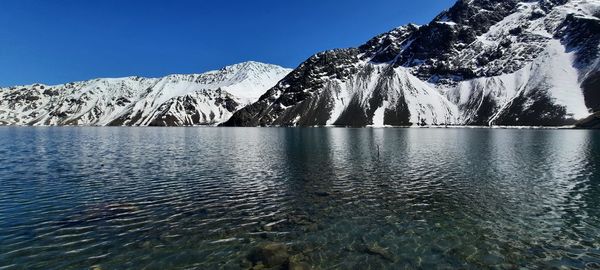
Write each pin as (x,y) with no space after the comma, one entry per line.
(482,62)
(175,100)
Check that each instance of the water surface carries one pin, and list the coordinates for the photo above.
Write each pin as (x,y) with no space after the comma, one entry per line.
(203,198)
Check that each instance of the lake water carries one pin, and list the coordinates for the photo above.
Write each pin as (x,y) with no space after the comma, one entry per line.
(204,198)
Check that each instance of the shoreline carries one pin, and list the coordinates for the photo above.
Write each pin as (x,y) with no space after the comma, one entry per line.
(572,127)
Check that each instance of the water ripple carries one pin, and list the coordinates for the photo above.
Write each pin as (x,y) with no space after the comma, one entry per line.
(200,198)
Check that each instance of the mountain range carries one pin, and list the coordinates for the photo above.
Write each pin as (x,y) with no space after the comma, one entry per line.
(479,63)
(176,100)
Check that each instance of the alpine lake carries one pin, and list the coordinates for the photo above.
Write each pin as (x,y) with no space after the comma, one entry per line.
(299,198)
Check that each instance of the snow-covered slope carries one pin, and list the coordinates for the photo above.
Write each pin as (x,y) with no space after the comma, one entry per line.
(175,100)
(482,62)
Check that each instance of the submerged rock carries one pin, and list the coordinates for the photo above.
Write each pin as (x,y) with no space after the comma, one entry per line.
(246,264)
(311,227)
(298,266)
(305,223)
(376,249)
(323,193)
(270,254)
(297,262)
(258,266)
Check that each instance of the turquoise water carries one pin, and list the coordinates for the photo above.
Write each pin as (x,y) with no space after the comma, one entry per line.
(204,198)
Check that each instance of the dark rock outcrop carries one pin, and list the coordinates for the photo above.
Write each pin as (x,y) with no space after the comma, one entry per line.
(592,122)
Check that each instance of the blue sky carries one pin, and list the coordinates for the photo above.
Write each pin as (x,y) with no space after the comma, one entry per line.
(68,40)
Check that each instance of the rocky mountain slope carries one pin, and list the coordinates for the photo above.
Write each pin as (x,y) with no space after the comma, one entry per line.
(175,100)
(482,62)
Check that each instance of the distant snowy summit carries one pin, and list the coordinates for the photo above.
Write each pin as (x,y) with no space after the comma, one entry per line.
(482,63)
(175,100)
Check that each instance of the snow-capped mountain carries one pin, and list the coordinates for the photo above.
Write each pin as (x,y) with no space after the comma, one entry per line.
(175,100)
(482,62)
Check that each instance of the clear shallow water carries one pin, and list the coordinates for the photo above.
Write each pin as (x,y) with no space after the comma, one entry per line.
(203,198)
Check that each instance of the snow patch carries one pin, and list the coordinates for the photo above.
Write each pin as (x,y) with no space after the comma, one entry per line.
(378,118)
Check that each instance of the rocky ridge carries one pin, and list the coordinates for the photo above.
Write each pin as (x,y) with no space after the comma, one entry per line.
(482,62)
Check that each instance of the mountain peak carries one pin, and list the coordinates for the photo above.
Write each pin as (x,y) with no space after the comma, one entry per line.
(252,65)
(481,62)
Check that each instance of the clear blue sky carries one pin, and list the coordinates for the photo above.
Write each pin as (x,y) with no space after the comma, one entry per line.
(57,41)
